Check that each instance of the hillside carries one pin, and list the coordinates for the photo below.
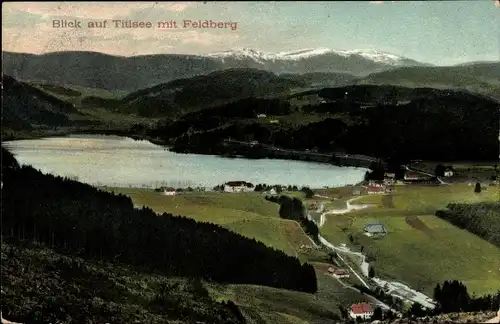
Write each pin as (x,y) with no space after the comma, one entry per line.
(180,96)
(65,217)
(482,78)
(97,70)
(320,79)
(40,285)
(25,107)
(384,121)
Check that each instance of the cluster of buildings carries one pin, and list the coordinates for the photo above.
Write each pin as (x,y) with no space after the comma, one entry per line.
(338,273)
(238,186)
(363,311)
(377,186)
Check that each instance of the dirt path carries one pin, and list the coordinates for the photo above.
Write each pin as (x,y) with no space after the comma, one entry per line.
(349,207)
(364,266)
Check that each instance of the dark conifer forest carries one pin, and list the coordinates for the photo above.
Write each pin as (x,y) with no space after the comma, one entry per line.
(481,219)
(80,220)
(452,296)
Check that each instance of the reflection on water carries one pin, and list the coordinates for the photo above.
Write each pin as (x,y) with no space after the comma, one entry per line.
(121,161)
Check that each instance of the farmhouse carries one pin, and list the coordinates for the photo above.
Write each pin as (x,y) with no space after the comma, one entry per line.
(448,172)
(375,190)
(261,116)
(238,186)
(409,175)
(389,178)
(338,273)
(169,191)
(375,229)
(361,311)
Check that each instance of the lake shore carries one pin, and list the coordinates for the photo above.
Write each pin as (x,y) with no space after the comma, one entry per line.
(124,161)
(225,149)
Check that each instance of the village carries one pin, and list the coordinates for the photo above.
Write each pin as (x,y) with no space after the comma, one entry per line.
(344,272)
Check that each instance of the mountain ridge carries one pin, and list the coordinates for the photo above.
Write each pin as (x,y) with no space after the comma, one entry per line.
(112,72)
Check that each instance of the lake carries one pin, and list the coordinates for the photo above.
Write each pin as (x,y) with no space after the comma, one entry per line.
(124,162)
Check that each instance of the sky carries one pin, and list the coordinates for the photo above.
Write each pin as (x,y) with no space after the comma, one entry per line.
(437,32)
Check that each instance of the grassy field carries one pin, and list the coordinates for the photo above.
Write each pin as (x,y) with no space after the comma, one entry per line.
(246,213)
(463,171)
(280,306)
(251,215)
(428,199)
(121,290)
(421,249)
(75,93)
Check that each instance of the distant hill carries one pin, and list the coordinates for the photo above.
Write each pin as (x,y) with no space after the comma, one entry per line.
(98,70)
(184,95)
(322,79)
(25,106)
(383,121)
(478,77)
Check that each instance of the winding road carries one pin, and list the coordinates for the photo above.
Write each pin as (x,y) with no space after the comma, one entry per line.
(364,266)
(407,168)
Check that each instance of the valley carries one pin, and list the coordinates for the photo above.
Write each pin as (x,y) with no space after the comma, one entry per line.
(224,119)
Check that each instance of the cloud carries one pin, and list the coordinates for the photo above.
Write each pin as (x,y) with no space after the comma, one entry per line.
(118,41)
(93,10)
(179,7)
(376,2)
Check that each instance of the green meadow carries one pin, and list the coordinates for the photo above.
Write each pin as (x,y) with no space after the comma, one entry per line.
(422,249)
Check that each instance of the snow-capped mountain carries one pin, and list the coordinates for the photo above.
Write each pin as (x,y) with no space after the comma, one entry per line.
(133,73)
(306,54)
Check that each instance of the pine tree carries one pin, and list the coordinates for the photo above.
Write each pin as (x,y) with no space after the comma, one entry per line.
(371,272)
(437,293)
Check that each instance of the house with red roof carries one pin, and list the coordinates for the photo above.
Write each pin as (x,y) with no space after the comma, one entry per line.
(375,190)
(409,175)
(361,310)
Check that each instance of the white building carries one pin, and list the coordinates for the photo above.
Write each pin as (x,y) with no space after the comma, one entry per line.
(338,273)
(261,116)
(448,173)
(362,310)
(169,192)
(238,186)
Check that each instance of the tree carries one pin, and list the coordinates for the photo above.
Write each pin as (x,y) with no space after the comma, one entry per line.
(416,310)
(439,170)
(377,314)
(389,315)
(437,292)
(367,175)
(371,272)
(477,188)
